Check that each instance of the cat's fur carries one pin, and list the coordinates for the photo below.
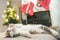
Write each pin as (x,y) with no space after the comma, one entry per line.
(27,30)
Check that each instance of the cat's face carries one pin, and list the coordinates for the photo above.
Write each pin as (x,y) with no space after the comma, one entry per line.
(10,33)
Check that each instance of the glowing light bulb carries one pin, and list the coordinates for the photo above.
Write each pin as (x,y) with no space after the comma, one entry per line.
(7,2)
(17,17)
(9,8)
(6,20)
(4,10)
(10,16)
(11,13)
(12,9)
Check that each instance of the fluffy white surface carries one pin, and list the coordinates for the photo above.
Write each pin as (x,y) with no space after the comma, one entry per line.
(34,37)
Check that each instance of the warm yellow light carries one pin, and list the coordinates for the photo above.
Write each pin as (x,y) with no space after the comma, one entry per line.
(6,20)
(10,16)
(17,17)
(12,9)
(4,10)
(11,13)
(39,4)
(8,10)
(4,16)
(7,2)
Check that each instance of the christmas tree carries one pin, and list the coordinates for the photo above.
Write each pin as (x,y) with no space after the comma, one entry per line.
(10,15)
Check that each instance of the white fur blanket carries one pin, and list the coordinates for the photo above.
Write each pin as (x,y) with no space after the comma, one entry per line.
(34,37)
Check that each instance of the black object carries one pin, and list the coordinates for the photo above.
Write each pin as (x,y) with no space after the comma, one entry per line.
(24,22)
(42,17)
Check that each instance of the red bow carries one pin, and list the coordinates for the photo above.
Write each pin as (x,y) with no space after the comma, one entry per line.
(45,3)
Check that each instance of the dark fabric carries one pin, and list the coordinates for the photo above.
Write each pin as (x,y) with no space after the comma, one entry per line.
(42,17)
